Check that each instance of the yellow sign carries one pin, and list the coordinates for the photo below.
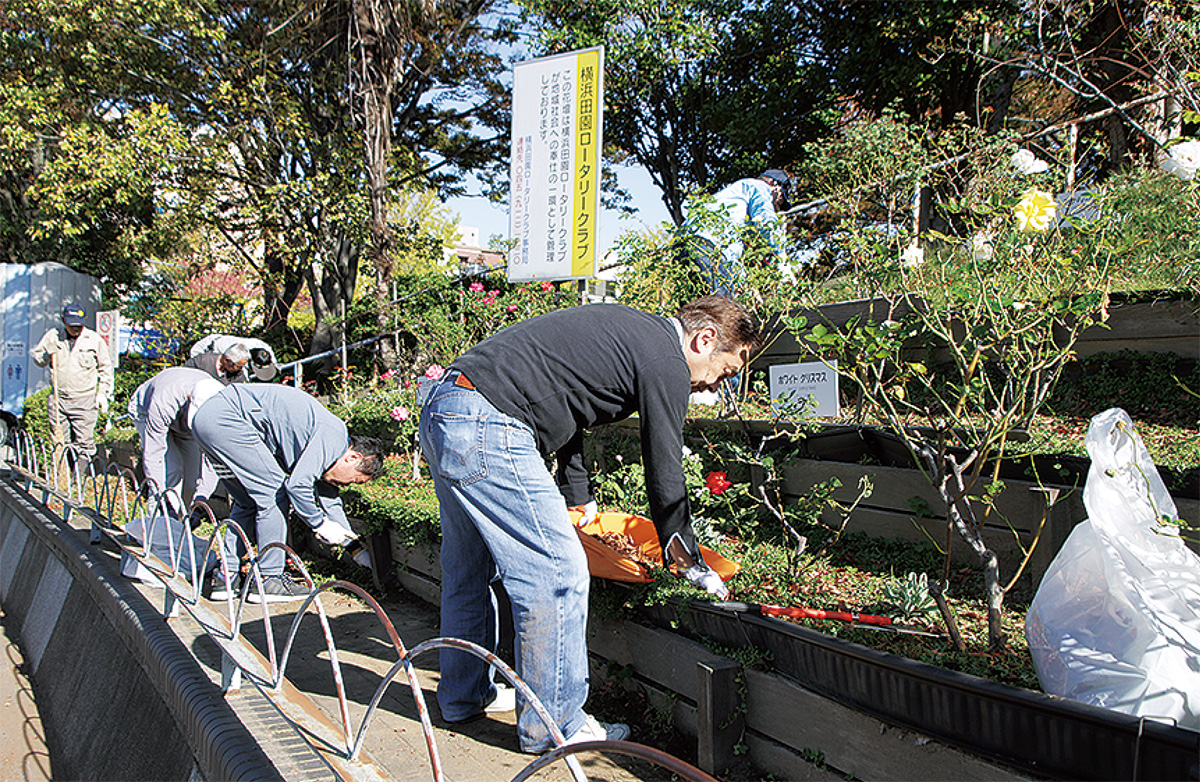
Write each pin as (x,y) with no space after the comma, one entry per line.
(557,137)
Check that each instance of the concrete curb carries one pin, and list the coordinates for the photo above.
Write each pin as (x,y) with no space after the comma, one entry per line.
(121,697)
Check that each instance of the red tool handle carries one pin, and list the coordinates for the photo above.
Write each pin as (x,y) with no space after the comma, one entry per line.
(817,613)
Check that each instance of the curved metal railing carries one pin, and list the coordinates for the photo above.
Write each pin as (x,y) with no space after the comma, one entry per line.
(63,475)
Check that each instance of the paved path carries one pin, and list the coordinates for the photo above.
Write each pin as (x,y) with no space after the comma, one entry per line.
(481,751)
(23,753)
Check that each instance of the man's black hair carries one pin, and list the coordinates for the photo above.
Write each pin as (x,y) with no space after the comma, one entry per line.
(260,357)
(371,451)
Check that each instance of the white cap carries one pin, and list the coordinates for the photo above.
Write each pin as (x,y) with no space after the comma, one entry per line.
(206,389)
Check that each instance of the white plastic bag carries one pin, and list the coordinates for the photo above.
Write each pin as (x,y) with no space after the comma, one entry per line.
(1116,619)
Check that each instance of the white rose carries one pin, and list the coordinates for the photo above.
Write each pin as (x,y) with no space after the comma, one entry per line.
(1027,163)
(1182,160)
(981,247)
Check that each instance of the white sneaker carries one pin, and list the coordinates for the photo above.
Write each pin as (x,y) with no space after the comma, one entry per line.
(594,730)
(505,700)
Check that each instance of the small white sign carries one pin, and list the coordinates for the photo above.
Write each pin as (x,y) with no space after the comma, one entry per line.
(108,326)
(14,349)
(807,390)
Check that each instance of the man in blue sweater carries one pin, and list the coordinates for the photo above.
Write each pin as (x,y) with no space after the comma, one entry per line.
(487,428)
(277,448)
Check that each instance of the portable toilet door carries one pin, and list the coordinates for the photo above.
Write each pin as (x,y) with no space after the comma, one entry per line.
(15,370)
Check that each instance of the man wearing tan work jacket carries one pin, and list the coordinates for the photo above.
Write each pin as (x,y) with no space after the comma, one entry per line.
(81,376)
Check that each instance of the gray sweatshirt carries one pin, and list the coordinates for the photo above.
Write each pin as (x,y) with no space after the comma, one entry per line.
(305,438)
(162,404)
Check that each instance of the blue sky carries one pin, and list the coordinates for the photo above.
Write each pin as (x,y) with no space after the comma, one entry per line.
(645,197)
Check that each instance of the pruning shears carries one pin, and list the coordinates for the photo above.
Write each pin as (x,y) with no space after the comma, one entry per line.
(866,621)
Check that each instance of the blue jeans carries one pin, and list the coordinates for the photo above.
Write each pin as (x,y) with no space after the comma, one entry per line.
(502,514)
(724,269)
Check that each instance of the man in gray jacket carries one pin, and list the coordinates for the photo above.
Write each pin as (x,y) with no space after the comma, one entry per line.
(277,448)
(171,457)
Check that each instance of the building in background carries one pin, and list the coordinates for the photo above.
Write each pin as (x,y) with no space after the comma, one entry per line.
(468,257)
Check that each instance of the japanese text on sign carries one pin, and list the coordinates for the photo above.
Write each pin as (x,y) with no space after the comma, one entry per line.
(808,390)
(554,174)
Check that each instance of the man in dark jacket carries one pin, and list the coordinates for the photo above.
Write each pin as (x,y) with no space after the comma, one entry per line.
(487,428)
(228,366)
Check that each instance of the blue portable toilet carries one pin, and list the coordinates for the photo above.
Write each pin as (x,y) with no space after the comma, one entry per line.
(33,299)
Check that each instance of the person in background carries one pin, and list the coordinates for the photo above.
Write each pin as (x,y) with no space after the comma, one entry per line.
(171,457)
(81,377)
(714,241)
(277,448)
(487,428)
(228,366)
(262,356)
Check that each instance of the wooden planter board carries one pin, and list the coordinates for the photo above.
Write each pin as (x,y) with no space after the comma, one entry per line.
(1033,732)
(1148,327)
(890,512)
(785,722)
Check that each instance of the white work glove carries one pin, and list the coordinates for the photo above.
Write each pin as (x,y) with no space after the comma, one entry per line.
(589,511)
(707,579)
(334,533)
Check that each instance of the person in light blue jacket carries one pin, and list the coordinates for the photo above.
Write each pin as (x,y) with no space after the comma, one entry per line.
(276,448)
(716,228)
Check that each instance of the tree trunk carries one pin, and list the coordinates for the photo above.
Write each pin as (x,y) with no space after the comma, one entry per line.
(994,593)
(374,80)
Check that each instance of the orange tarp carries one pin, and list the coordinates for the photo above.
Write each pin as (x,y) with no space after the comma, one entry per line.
(604,562)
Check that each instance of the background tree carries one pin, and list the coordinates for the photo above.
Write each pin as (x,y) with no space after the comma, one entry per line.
(699,92)
(427,100)
(85,156)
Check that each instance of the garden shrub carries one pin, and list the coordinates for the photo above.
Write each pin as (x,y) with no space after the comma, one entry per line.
(35,418)
(388,412)
(393,502)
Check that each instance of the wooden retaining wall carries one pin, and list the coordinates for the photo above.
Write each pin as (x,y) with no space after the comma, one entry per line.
(1145,327)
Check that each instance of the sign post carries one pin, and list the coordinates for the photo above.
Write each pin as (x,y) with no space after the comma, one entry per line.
(557,132)
(108,326)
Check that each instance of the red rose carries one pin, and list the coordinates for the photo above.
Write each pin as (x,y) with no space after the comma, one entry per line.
(717,482)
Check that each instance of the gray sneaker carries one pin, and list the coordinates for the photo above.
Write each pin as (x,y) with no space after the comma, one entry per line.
(278,589)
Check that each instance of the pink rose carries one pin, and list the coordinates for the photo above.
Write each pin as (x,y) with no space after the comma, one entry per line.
(399,413)
(547,286)
(490,297)
(512,307)
(391,373)
(434,372)
(476,286)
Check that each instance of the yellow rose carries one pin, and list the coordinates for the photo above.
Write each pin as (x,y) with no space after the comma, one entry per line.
(1035,211)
